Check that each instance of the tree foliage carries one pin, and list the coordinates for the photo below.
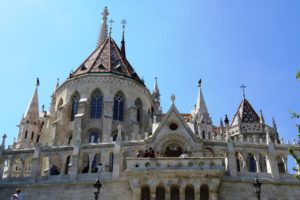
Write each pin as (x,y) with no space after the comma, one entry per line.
(295,115)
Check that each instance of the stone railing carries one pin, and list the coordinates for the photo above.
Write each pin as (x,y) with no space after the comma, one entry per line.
(167,163)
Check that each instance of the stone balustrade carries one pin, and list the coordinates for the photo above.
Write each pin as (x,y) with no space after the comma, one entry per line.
(162,163)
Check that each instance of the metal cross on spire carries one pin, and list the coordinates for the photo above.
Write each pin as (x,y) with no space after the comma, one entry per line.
(123,22)
(111,22)
(243,89)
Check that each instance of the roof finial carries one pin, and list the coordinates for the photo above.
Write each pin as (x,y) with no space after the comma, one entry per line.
(37,82)
(262,119)
(57,83)
(103,32)
(172,99)
(123,22)
(199,82)
(243,88)
(110,27)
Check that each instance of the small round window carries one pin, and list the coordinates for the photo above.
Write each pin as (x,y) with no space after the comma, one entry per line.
(173,126)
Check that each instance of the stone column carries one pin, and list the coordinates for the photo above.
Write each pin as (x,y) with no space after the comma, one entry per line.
(50,164)
(167,192)
(34,167)
(107,119)
(23,166)
(197,192)
(257,159)
(10,166)
(272,161)
(152,192)
(53,133)
(2,162)
(182,192)
(213,195)
(73,170)
(136,195)
(231,162)
(91,158)
(117,161)
(286,165)
(35,162)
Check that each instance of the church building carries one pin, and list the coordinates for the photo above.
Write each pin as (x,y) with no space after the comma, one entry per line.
(103,122)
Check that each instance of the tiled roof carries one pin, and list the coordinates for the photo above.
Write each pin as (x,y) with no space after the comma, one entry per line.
(245,114)
(107,58)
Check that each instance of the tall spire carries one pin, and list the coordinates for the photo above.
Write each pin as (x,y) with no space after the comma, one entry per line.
(155,89)
(274,124)
(261,117)
(123,38)
(103,32)
(200,106)
(32,112)
(156,98)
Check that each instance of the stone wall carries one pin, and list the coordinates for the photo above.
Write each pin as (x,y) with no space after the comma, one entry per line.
(243,190)
(68,191)
(230,189)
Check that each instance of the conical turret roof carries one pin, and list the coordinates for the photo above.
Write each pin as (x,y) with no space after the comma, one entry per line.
(107,58)
(245,114)
(32,112)
(201,105)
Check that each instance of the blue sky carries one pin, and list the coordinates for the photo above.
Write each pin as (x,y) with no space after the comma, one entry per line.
(226,43)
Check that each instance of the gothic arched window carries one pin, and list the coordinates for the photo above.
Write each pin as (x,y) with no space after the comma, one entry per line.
(138,105)
(280,163)
(75,101)
(96,104)
(252,163)
(118,107)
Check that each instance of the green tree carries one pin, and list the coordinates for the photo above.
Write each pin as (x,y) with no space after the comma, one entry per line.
(295,115)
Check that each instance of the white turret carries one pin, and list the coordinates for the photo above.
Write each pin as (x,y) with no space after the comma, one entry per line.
(30,126)
(200,116)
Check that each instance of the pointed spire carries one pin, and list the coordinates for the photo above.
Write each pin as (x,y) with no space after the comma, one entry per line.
(226,120)
(32,112)
(261,117)
(172,99)
(274,124)
(57,83)
(3,141)
(103,32)
(123,51)
(201,106)
(155,93)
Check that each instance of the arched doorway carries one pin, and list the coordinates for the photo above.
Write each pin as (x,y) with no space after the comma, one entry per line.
(189,192)
(160,192)
(175,192)
(145,193)
(173,150)
(204,192)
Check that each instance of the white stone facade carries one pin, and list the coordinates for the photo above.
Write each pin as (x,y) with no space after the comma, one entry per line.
(59,153)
